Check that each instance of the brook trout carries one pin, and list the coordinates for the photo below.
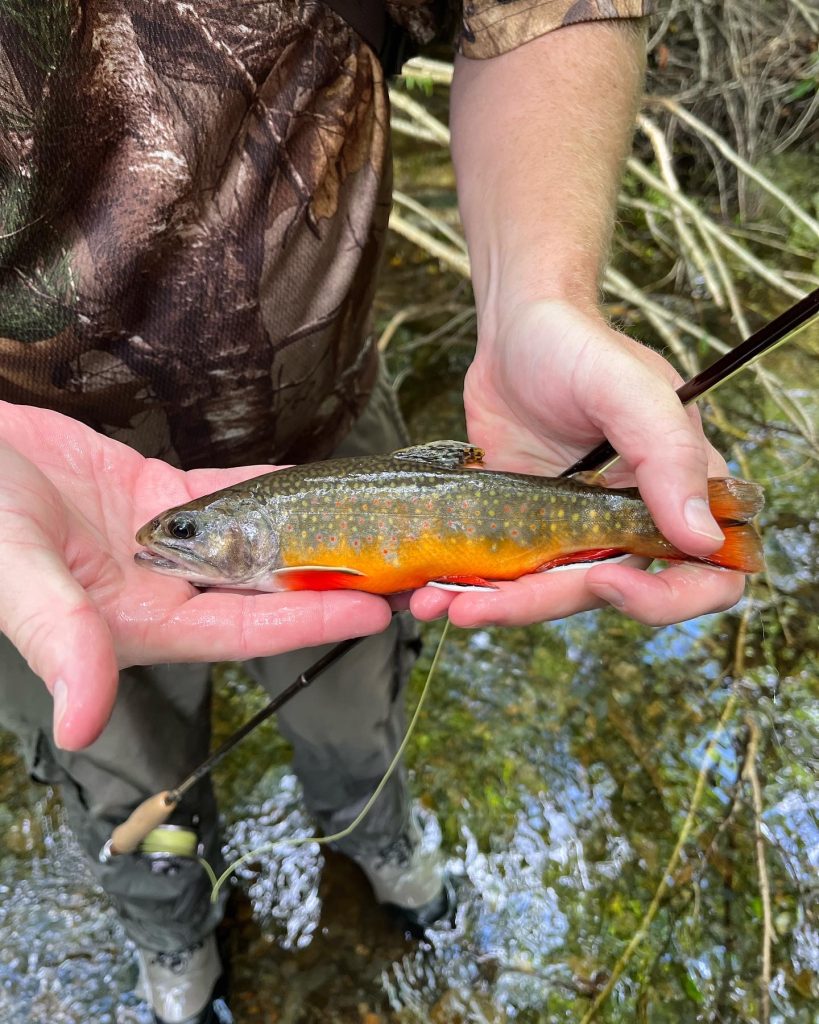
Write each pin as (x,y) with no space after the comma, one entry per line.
(423,515)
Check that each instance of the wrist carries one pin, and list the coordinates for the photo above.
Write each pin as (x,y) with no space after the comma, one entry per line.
(537,316)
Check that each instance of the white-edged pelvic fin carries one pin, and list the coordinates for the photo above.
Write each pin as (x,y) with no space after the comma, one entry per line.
(460,588)
(443,454)
(588,564)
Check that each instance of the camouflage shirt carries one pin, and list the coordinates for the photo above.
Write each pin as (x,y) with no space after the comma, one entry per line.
(193,203)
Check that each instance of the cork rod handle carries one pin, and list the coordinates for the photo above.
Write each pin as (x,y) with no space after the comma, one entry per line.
(151,813)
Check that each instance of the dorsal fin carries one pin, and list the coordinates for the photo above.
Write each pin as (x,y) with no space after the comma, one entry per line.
(443,454)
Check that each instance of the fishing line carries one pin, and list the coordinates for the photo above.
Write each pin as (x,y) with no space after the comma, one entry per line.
(217,883)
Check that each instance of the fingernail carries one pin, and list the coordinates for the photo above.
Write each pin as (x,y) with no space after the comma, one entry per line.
(609,594)
(699,520)
(60,695)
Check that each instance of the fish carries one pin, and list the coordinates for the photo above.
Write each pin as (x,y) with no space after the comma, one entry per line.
(424,515)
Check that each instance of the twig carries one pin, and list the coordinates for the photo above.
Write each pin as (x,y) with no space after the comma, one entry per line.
(750,774)
(437,71)
(437,222)
(404,126)
(412,313)
(706,224)
(673,107)
(812,21)
(663,155)
(420,115)
(454,259)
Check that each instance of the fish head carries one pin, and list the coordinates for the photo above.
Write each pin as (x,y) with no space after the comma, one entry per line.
(211,542)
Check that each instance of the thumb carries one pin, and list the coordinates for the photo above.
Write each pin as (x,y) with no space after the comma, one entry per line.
(664,445)
(44,611)
(53,623)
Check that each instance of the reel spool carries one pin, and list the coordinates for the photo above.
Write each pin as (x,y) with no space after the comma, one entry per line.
(164,846)
(168,841)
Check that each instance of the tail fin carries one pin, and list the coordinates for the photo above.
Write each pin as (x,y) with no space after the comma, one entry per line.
(734,501)
(733,504)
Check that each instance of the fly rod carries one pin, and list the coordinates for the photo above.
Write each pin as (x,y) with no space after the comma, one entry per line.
(155,811)
(721,370)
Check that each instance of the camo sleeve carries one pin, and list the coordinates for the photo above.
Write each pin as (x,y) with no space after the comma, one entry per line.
(492,27)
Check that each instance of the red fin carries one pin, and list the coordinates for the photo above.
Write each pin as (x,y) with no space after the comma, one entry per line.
(318,577)
(576,557)
(734,501)
(733,504)
(465,582)
(742,550)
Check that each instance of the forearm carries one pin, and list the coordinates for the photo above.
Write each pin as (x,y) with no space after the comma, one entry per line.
(539,136)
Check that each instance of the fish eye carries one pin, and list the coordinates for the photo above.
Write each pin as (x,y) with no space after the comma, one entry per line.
(182,528)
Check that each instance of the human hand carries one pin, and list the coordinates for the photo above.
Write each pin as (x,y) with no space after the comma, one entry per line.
(544,391)
(78,608)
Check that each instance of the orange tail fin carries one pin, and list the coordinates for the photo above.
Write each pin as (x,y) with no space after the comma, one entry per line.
(733,504)
(733,500)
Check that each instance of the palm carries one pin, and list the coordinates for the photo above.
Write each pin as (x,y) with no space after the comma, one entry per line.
(548,398)
(74,601)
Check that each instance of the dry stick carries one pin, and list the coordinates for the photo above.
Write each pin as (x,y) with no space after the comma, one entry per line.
(689,243)
(664,158)
(731,155)
(403,126)
(413,313)
(807,14)
(437,222)
(789,406)
(437,71)
(399,318)
(688,824)
(765,272)
(750,773)
(728,284)
(419,114)
(458,261)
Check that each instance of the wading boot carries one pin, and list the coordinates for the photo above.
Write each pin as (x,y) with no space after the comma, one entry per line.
(408,877)
(185,987)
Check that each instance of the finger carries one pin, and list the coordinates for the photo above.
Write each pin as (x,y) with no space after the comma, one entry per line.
(673,595)
(52,622)
(664,444)
(234,627)
(203,481)
(537,598)
(429,603)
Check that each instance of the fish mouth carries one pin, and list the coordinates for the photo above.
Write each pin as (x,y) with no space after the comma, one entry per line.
(161,562)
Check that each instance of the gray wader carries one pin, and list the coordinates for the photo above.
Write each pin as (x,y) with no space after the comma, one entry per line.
(345,729)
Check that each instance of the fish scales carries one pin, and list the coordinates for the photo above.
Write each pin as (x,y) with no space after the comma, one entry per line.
(391,523)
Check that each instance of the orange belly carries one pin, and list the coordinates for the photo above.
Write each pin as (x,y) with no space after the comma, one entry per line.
(410,565)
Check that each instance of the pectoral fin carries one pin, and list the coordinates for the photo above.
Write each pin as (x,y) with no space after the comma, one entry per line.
(317,577)
(443,454)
